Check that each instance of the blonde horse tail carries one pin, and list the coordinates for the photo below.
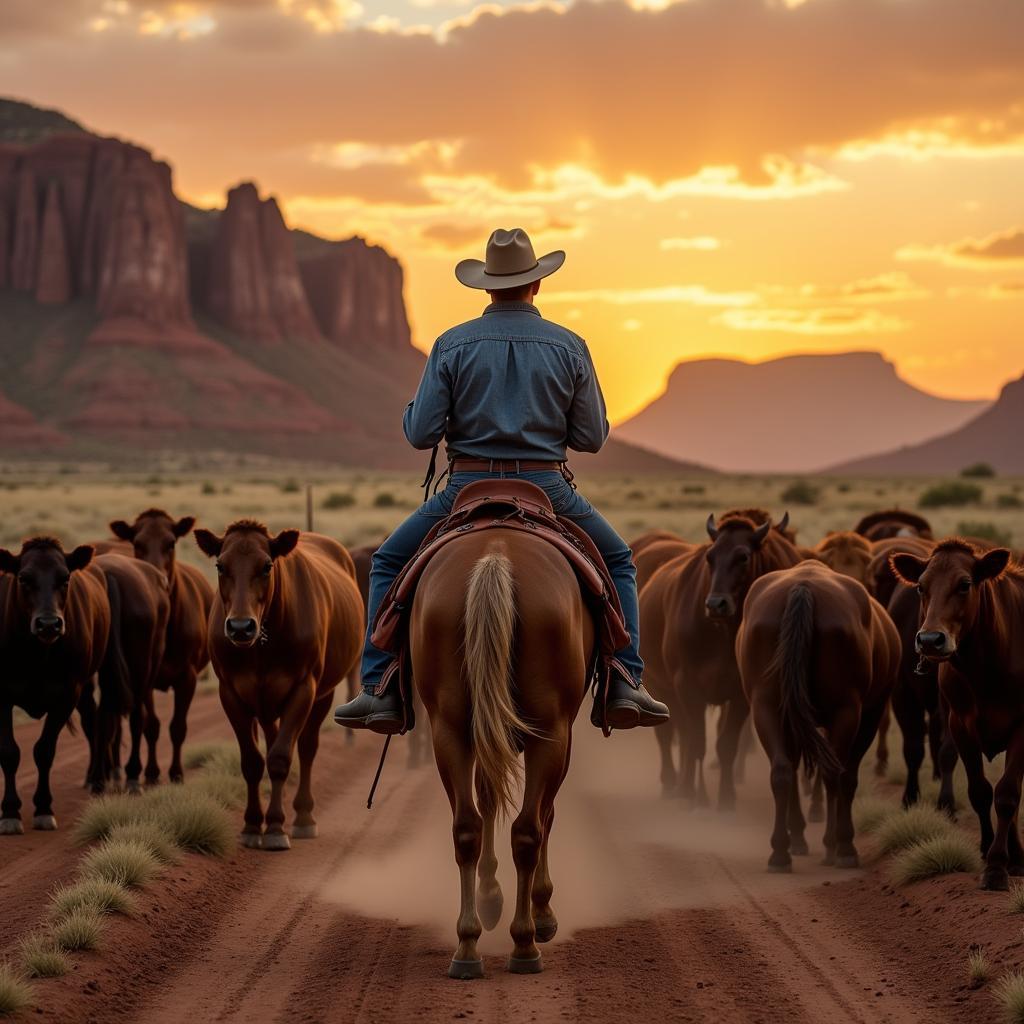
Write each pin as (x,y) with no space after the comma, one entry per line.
(490,632)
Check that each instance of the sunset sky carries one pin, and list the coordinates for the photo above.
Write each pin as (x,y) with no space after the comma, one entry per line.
(730,177)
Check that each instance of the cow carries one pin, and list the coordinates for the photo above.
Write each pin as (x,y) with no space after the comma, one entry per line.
(815,652)
(972,602)
(286,627)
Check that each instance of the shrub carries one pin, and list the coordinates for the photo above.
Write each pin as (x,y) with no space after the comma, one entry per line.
(844,488)
(984,531)
(978,470)
(15,993)
(81,929)
(800,492)
(1016,897)
(338,499)
(41,957)
(197,822)
(213,757)
(102,815)
(228,791)
(207,488)
(94,894)
(290,486)
(979,970)
(1009,991)
(385,500)
(1008,500)
(150,835)
(940,855)
(125,862)
(694,488)
(635,496)
(954,493)
(870,811)
(912,826)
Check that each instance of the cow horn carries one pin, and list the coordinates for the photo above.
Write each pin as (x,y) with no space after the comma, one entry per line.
(712,529)
(783,522)
(761,532)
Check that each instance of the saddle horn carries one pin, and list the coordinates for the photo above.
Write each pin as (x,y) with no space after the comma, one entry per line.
(712,529)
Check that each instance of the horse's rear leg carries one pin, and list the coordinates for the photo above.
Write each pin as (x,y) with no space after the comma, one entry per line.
(546,760)
(795,820)
(490,900)
(544,920)
(304,826)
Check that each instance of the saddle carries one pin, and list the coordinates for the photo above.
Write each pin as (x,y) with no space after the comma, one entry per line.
(501,504)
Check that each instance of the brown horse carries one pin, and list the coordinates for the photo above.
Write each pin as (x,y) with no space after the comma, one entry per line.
(689,613)
(815,651)
(54,628)
(500,643)
(286,628)
(972,603)
(153,537)
(139,621)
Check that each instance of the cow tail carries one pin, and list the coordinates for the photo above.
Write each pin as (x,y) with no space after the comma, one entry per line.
(792,664)
(490,631)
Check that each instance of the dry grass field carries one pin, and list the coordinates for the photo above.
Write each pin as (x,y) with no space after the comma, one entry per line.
(361,507)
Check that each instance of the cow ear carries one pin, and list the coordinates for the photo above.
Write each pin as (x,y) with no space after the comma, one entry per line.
(284,543)
(991,565)
(209,543)
(80,557)
(908,568)
(122,530)
(184,526)
(9,562)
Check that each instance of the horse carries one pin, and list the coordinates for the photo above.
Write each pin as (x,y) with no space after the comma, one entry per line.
(285,629)
(815,651)
(689,613)
(54,630)
(139,621)
(153,538)
(971,604)
(501,643)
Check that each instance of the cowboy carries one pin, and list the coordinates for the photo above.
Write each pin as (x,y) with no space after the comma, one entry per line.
(508,392)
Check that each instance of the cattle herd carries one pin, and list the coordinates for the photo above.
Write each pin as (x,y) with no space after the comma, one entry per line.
(814,645)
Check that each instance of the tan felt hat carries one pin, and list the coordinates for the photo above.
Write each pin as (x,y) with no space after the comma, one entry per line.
(510,263)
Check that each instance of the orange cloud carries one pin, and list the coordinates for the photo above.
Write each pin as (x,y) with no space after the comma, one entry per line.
(994,251)
(811,321)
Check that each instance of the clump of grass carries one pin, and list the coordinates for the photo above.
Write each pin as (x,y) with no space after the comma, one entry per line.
(979,970)
(213,757)
(150,835)
(384,500)
(911,827)
(954,493)
(41,957)
(290,486)
(125,862)
(197,822)
(939,855)
(94,894)
(1009,992)
(15,992)
(1016,897)
(1008,500)
(978,470)
(226,790)
(101,816)
(984,531)
(800,492)
(80,930)
(870,811)
(338,499)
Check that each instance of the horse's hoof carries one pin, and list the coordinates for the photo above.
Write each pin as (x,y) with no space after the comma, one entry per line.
(276,841)
(251,840)
(45,823)
(799,847)
(525,965)
(546,929)
(466,970)
(848,860)
(995,880)
(489,909)
(177,778)
(11,827)
(780,869)
(305,831)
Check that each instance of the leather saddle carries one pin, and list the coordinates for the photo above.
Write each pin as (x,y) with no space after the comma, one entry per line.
(503,504)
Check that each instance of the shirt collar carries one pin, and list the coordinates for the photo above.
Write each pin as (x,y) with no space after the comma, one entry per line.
(512,307)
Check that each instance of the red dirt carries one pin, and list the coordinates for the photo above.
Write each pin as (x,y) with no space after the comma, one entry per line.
(665,914)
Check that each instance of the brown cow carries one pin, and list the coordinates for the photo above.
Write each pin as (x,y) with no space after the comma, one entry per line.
(972,603)
(653,556)
(139,609)
(815,651)
(286,628)
(845,552)
(54,627)
(689,613)
(153,537)
(651,537)
(893,522)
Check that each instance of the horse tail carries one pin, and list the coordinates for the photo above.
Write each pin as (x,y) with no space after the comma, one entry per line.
(791,662)
(490,631)
(115,679)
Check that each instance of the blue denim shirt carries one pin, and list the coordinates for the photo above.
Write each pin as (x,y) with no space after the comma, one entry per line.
(509,385)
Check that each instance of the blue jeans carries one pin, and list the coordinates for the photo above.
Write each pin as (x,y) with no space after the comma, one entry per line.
(392,556)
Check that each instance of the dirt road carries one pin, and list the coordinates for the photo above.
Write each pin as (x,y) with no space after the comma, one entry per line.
(665,914)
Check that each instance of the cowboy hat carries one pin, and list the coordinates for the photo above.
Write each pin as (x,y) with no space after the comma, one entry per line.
(510,263)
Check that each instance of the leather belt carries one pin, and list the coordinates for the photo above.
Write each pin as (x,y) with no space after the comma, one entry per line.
(503,466)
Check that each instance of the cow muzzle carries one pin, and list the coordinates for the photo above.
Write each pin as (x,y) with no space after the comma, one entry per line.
(47,628)
(719,606)
(242,632)
(935,644)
